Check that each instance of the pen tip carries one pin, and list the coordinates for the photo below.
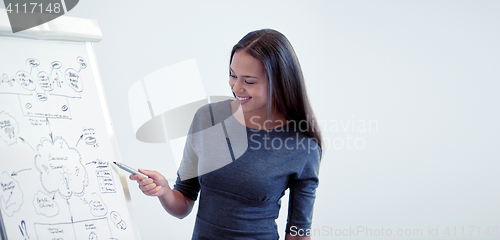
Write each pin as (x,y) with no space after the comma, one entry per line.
(114,162)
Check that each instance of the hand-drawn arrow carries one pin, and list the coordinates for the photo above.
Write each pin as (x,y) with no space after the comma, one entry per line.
(48,124)
(15,173)
(22,139)
(92,162)
(81,137)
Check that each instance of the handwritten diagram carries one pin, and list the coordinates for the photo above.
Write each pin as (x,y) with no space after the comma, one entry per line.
(61,168)
(45,93)
(11,196)
(8,128)
(45,204)
(56,181)
(117,220)
(63,175)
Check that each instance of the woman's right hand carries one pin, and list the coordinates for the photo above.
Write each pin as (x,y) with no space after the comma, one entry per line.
(172,201)
(155,185)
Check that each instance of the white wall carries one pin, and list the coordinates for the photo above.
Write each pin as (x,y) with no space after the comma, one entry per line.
(424,74)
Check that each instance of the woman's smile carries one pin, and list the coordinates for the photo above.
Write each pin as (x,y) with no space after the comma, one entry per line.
(243,100)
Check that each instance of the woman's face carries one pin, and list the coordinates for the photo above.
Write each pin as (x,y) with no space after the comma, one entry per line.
(249,82)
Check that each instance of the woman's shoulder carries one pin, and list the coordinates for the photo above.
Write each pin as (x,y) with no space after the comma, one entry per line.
(307,145)
(210,114)
(310,156)
(214,107)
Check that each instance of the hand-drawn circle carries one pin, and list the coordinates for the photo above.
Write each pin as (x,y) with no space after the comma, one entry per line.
(82,63)
(45,205)
(93,236)
(56,65)
(90,140)
(73,79)
(64,108)
(44,81)
(41,96)
(117,220)
(5,79)
(33,62)
(25,79)
(28,105)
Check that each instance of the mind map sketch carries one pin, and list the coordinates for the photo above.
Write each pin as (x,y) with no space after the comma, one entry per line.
(44,93)
(56,180)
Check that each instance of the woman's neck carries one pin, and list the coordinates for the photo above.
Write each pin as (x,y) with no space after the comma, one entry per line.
(257,119)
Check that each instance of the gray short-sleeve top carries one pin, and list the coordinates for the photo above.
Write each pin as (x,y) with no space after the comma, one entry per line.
(241,174)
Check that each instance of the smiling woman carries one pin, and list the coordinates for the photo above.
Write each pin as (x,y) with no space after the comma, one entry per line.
(234,156)
(269,52)
(249,83)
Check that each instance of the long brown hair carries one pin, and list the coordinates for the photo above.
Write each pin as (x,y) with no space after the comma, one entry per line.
(287,91)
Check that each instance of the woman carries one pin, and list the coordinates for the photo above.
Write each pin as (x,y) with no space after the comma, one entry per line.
(271,144)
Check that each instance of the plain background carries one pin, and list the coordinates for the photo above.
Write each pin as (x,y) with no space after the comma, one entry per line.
(425,74)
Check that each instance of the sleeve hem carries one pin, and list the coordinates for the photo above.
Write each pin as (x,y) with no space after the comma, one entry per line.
(298,229)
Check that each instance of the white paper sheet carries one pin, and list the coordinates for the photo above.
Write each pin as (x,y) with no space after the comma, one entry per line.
(57,145)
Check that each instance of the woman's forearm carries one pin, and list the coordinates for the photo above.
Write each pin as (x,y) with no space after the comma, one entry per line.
(175,203)
(290,237)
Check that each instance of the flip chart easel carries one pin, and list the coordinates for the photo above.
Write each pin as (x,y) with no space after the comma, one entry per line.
(57,141)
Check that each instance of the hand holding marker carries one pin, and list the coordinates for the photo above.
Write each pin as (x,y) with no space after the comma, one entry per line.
(129,169)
